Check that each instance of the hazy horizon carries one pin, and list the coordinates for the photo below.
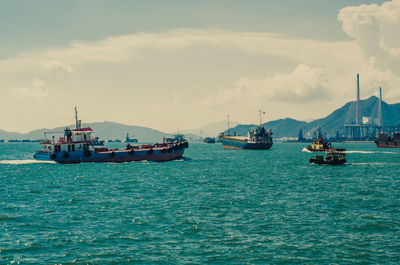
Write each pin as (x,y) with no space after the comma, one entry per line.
(185,64)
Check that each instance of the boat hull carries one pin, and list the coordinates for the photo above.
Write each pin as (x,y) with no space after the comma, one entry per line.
(117,156)
(310,149)
(389,144)
(324,162)
(232,144)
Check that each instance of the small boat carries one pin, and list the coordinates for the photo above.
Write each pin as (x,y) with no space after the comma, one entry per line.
(332,158)
(209,140)
(98,142)
(130,140)
(114,141)
(320,145)
(77,146)
(175,138)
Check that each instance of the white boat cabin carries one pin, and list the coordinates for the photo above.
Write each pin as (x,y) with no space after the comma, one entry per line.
(73,140)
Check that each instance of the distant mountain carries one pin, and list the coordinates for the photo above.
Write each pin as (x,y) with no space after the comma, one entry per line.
(333,122)
(282,128)
(105,130)
(211,129)
(10,135)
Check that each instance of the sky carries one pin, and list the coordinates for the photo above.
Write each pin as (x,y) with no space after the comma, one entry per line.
(172,65)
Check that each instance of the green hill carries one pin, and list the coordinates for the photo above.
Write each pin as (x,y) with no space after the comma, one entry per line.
(333,122)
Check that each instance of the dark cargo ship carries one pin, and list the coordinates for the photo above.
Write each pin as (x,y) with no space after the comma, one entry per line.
(384,140)
(258,138)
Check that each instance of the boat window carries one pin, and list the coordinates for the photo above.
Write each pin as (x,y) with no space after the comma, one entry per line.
(73,148)
(69,148)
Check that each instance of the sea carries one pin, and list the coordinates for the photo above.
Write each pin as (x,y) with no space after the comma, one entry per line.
(214,206)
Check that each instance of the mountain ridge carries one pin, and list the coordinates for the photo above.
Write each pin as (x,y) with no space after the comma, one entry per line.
(286,127)
(333,122)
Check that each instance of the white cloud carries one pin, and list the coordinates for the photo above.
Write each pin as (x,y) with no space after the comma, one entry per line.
(38,90)
(376,30)
(56,66)
(304,84)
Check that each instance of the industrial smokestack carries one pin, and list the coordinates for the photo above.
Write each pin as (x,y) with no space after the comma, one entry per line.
(380,109)
(358,101)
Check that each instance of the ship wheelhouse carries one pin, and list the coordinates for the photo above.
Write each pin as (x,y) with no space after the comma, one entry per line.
(73,140)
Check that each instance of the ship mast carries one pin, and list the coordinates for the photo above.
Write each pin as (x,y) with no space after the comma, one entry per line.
(260,118)
(77,122)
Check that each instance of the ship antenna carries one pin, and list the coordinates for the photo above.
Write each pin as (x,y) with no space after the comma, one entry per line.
(260,118)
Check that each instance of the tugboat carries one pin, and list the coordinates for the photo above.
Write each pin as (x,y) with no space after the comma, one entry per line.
(332,158)
(258,138)
(384,140)
(320,145)
(77,146)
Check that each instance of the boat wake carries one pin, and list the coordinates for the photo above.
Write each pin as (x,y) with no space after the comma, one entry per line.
(369,152)
(24,162)
(375,164)
(306,150)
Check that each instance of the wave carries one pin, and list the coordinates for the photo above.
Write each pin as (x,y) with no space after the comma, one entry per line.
(26,161)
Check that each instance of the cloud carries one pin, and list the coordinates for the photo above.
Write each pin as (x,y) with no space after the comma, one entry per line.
(38,90)
(304,84)
(128,47)
(198,74)
(56,66)
(375,28)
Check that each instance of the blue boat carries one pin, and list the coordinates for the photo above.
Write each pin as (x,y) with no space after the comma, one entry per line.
(78,146)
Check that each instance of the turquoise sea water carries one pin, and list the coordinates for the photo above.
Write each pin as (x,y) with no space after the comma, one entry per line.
(215,206)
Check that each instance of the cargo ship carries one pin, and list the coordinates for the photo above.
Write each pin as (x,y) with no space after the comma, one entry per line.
(77,146)
(257,138)
(384,140)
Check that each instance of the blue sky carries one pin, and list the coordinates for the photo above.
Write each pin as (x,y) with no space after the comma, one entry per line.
(149,62)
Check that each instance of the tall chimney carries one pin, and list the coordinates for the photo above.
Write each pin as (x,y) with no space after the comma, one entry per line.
(380,109)
(358,101)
